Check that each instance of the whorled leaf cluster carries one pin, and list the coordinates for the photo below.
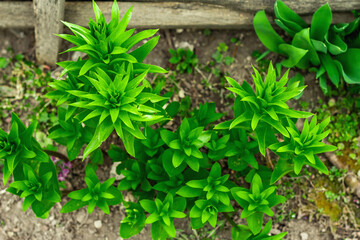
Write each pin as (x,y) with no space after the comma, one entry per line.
(33,172)
(109,86)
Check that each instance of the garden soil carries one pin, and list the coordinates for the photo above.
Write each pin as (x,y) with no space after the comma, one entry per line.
(16,224)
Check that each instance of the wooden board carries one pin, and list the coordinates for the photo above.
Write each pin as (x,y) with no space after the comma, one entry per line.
(172,14)
(48,14)
(165,15)
(17,15)
(182,15)
(44,15)
(299,6)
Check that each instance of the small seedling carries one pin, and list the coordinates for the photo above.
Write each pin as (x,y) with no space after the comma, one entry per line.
(185,60)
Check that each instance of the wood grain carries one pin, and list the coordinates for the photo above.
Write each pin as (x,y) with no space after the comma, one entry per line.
(301,7)
(165,15)
(17,15)
(171,14)
(48,14)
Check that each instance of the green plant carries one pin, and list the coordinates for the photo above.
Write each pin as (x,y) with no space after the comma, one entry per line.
(342,110)
(322,47)
(171,174)
(34,173)
(260,58)
(301,148)
(255,202)
(70,133)
(217,66)
(335,173)
(34,188)
(185,144)
(265,109)
(162,214)
(207,32)
(107,86)
(185,106)
(134,221)
(4,62)
(219,56)
(26,84)
(184,59)
(236,41)
(333,196)
(213,194)
(96,194)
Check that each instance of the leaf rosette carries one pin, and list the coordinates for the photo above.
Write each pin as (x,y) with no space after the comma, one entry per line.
(185,145)
(134,221)
(107,45)
(266,108)
(256,201)
(301,148)
(96,194)
(162,214)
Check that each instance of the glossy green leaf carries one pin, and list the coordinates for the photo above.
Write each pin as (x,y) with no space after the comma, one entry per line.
(302,40)
(288,17)
(319,46)
(293,53)
(282,168)
(349,62)
(321,22)
(331,68)
(72,205)
(266,33)
(335,44)
(141,52)
(255,222)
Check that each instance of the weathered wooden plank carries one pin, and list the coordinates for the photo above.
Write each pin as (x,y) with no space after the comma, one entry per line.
(167,14)
(48,14)
(164,15)
(177,15)
(301,7)
(16,15)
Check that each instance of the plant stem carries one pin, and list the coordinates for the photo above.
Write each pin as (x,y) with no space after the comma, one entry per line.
(229,219)
(57,154)
(269,159)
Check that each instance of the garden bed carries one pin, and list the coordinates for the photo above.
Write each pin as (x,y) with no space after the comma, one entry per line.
(295,216)
(318,206)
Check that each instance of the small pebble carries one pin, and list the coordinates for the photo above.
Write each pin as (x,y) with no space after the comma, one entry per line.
(304,236)
(185,45)
(10,234)
(19,205)
(181,93)
(80,216)
(98,224)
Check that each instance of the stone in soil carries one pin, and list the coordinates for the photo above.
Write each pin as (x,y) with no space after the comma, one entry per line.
(98,224)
